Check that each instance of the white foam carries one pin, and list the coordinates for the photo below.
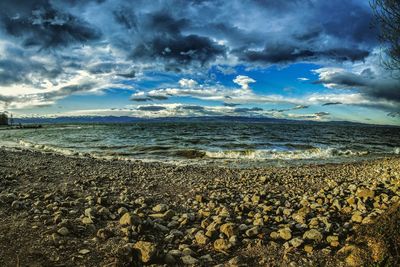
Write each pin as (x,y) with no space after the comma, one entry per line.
(316,153)
(46,148)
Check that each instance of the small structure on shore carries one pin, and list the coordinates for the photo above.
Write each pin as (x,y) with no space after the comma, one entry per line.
(3,119)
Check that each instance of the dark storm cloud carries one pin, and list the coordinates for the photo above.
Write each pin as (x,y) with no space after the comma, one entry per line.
(187,33)
(148,98)
(236,36)
(344,79)
(6,99)
(372,85)
(37,23)
(193,107)
(332,103)
(126,17)
(245,110)
(231,104)
(151,108)
(17,71)
(322,114)
(288,109)
(278,5)
(314,116)
(283,53)
(328,32)
(380,89)
(179,49)
(68,90)
(164,41)
(122,39)
(394,114)
(158,97)
(308,35)
(164,23)
(122,70)
(300,107)
(140,99)
(347,20)
(130,74)
(104,67)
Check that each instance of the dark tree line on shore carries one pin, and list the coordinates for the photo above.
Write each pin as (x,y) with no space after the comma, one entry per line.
(3,119)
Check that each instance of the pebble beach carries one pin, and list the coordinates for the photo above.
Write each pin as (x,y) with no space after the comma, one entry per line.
(60,210)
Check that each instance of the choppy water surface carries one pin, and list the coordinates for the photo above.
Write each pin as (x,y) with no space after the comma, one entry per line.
(212,142)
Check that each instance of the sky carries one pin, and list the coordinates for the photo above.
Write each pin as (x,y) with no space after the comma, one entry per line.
(300,59)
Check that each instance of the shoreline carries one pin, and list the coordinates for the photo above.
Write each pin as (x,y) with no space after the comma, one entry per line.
(243,164)
(64,211)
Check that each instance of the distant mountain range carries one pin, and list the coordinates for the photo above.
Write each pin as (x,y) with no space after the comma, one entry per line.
(127,119)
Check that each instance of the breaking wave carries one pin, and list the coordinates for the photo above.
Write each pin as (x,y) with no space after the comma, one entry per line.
(46,148)
(250,154)
(315,153)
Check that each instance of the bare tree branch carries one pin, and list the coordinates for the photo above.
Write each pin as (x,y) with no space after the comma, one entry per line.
(387,20)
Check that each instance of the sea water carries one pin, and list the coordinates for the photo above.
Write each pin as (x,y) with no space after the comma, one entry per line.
(234,143)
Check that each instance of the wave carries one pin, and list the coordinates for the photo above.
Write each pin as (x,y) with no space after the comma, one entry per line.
(69,152)
(190,153)
(299,146)
(151,148)
(46,148)
(247,154)
(315,153)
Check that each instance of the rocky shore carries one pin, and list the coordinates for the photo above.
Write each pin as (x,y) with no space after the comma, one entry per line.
(65,211)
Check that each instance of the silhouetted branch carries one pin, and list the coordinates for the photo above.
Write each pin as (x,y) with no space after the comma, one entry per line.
(387,19)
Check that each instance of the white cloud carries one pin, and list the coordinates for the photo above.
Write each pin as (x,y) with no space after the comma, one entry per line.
(243,95)
(349,98)
(318,116)
(34,78)
(186,110)
(187,83)
(336,78)
(244,81)
(302,79)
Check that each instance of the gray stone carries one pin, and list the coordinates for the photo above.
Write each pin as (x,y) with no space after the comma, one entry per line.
(189,260)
